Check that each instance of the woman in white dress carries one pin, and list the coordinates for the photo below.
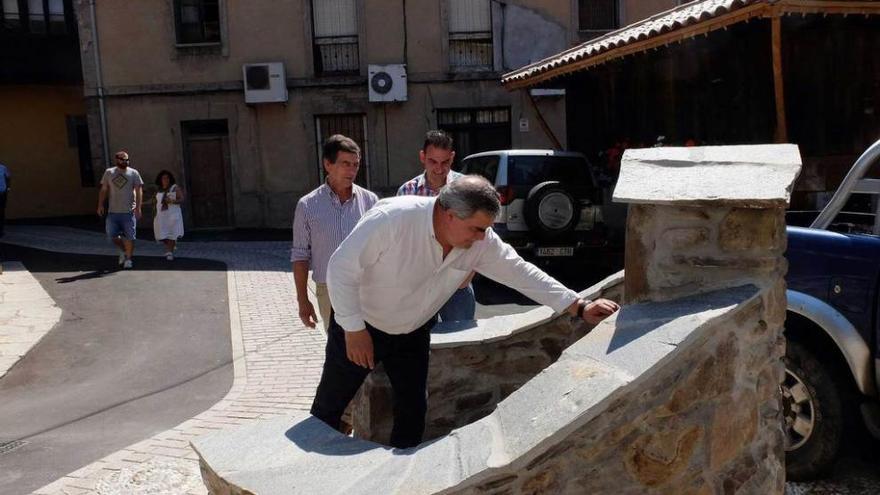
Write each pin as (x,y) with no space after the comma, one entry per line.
(168,224)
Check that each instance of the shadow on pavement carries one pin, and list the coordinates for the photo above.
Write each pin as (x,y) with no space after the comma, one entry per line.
(97,266)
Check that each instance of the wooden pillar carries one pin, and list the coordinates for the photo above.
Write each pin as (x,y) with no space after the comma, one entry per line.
(781,133)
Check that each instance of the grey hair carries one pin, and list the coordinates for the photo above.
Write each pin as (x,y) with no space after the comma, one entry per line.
(468,195)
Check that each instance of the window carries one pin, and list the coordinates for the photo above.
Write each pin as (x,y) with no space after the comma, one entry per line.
(41,17)
(11,16)
(335,40)
(350,125)
(598,15)
(197,21)
(78,137)
(476,130)
(470,35)
(526,170)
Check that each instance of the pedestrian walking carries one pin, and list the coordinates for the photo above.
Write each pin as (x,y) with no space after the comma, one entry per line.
(323,218)
(168,222)
(392,274)
(122,188)
(436,156)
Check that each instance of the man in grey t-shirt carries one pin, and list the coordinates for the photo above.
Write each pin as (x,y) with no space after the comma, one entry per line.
(124,187)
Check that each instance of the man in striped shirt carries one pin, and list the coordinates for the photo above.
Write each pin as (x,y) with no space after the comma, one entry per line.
(323,218)
(436,157)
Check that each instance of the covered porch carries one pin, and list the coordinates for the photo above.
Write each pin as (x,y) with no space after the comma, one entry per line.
(717,72)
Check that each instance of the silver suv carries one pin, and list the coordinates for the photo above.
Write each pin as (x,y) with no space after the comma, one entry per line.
(551,205)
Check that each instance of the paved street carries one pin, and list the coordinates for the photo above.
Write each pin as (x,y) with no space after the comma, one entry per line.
(276,365)
(135,353)
(276,361)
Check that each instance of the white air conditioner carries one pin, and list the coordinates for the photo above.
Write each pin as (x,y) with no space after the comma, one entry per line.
(387,82)
(264,83)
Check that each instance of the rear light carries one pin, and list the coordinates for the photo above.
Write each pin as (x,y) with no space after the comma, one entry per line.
(505,195)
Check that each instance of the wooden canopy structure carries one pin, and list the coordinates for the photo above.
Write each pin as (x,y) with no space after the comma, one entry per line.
(682,23)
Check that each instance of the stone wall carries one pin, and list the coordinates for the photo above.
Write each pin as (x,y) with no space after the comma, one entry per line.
(476,365)
(673,251)
(674,397)
(708,422)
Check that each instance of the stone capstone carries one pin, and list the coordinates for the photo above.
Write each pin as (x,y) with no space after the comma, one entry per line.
(752,176)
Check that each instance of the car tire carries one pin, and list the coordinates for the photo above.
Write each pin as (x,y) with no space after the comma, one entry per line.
(551,210)
(812,415)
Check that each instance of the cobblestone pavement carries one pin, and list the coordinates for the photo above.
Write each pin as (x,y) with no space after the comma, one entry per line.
(277,364)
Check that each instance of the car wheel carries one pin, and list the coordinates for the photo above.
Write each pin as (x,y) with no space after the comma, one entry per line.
(551,210)
(812,415)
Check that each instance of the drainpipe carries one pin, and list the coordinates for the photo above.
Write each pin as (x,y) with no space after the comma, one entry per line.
(99,83)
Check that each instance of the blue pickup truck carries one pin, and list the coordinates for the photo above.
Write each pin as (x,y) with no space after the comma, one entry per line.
(832,328)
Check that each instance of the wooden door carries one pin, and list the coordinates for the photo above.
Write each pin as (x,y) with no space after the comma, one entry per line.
(207,160)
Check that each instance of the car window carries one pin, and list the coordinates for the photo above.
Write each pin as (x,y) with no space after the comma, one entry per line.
(487,166)
(530,170)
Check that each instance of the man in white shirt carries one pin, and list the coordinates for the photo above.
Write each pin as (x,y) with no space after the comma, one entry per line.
(391,275)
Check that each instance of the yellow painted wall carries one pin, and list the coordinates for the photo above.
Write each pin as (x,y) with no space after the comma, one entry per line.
(34,146)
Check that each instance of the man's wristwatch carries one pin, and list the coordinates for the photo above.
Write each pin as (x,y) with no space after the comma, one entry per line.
(582,305)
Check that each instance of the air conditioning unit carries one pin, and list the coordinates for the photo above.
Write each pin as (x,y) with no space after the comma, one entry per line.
(387,82)
(264,83)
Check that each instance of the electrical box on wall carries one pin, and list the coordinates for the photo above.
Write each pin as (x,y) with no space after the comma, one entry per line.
(264,83)
(387,83)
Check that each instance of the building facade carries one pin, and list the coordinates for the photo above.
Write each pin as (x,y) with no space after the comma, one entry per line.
(43,135)
(165,81)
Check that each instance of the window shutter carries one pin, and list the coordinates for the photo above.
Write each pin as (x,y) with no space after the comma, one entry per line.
(335,18)
(469,16)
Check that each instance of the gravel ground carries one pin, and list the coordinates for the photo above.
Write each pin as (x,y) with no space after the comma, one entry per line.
(856,473)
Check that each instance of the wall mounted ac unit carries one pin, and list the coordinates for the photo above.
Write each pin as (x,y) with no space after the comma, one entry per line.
(387,82)
(264,83)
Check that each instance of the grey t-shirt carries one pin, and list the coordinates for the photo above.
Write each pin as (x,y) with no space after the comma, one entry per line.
(121,184)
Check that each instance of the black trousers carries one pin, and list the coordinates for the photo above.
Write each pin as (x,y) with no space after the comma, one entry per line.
(405,358)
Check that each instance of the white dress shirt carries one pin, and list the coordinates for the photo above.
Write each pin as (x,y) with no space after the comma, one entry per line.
(391,273)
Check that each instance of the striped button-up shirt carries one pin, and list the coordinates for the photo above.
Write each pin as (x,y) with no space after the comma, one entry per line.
(418,185)
(321,222)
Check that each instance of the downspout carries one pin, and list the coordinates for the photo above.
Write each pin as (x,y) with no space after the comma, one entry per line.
(99,83)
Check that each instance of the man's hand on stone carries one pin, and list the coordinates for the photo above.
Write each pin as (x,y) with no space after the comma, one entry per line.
(307,313)
(598,310)
(359,348)
(137,213)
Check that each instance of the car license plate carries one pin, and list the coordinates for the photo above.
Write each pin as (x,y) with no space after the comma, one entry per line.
(555,251)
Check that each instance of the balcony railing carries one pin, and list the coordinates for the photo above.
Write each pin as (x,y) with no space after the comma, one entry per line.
(336,55)
(470,50)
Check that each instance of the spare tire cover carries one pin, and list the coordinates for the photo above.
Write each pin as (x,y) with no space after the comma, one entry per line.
(550,209)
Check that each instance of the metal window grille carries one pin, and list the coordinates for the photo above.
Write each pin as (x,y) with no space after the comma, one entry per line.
(335,40)
(598,15)
(470,34)
(198,21)
(476,129)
